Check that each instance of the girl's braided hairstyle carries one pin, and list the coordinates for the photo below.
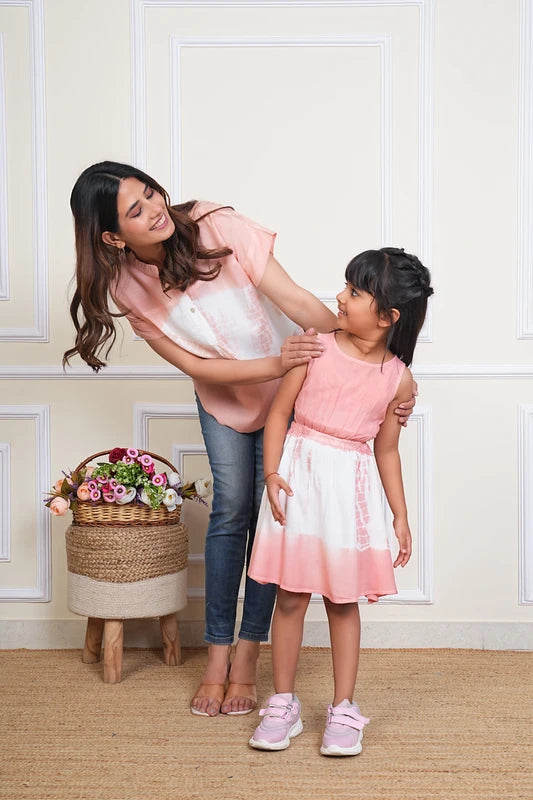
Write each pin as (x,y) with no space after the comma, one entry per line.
(395,279)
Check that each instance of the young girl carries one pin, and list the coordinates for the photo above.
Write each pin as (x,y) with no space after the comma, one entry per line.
(326,533)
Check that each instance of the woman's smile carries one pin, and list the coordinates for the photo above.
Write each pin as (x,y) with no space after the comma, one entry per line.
(160,223)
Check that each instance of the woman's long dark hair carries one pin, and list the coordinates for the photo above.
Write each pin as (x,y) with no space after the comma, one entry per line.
(94,205)
(395,279)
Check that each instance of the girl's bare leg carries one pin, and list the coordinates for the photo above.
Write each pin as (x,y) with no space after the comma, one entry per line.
(345,634)
(287,633)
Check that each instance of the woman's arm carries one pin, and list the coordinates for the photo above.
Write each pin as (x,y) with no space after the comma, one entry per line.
(297,303)
(219,370)
(275,431)
(390,469)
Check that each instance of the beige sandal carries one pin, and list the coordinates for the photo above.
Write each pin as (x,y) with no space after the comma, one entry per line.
(247,691)
(214,691)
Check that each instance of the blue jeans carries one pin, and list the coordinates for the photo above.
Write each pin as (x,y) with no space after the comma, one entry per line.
(236,461)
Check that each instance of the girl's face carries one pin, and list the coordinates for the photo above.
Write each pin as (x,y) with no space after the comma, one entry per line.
(143,217)
(357,311)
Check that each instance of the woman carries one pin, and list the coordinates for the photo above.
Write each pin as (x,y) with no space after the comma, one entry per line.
(200,284)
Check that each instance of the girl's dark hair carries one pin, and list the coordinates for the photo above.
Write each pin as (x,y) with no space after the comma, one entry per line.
(395,279)
(94,205)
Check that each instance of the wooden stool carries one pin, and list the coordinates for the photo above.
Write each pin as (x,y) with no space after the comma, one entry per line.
(112,631)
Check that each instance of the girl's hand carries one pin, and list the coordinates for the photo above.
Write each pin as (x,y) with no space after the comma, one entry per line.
(405,410)
(300,349)
(274,484)
(403,534)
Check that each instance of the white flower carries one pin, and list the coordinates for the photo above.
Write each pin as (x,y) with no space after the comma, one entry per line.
(171,499)
(128,497)
(203,487)
(174,480)
(144,498)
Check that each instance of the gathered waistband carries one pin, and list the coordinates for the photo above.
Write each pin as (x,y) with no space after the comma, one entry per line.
(303,431)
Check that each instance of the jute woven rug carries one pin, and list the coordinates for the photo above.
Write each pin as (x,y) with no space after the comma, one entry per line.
(445,724)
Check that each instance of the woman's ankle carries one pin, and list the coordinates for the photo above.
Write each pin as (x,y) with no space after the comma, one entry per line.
(218,659)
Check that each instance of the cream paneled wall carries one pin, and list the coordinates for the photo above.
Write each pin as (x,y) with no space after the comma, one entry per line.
(342,125)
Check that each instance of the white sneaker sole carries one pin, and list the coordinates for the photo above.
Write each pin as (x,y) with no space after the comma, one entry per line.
(262,744)
(335,750)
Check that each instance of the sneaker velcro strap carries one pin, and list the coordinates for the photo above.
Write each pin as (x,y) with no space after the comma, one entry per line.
(275,710)
(347,716)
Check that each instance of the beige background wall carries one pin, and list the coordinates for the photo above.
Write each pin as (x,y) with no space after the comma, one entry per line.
(342,125)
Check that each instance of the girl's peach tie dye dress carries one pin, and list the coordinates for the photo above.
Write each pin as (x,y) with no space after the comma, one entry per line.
(335,541)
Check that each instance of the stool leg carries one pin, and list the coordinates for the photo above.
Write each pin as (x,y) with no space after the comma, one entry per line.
(171,639)
(113,640)
(93,641)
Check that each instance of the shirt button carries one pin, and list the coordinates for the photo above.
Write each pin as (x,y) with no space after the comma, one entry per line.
(193,310)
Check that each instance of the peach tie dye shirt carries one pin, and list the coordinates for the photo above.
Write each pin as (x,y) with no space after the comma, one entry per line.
(227,317)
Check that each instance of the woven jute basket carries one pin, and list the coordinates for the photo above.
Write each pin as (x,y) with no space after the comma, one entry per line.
(102,513)
(127,561)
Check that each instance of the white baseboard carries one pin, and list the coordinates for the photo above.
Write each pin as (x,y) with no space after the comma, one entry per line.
(69,634)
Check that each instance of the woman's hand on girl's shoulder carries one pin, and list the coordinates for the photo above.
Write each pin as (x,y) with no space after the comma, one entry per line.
(300,349)
(405,408)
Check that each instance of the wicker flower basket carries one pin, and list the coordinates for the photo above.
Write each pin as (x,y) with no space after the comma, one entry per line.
(101,513)
(126,561)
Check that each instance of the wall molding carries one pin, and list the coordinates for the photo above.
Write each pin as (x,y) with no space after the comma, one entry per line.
(525,504)
(179,451)
(41,591)
(525,174)
(166,372)
(138,10)
(382,42)
(4,227)
(39,331)
(5,502)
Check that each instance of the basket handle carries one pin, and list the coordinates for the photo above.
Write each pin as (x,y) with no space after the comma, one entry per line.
(141,453)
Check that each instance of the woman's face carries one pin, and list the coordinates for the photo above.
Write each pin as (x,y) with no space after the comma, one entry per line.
(143,217)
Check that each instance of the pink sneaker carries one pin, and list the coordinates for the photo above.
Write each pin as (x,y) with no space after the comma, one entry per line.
(344,730)
(281,721)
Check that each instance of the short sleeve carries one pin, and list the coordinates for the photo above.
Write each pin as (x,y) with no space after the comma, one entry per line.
(144,328)
(251,243)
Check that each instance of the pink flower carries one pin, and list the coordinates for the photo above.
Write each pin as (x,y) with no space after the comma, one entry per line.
(113,483)
(101,479)
(58,484)
(159,480)
(109,497)
(83,492)
(93,486)
(146,460)
(88,472)
(128,460)
(59,506)
(119,490)
(132,452)
(96,494)
(149,468)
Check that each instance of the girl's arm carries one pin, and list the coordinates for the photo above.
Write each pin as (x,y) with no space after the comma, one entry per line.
(239,371)
(390,469)
(275,431)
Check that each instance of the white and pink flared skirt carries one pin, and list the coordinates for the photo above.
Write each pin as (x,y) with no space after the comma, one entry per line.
(335,540)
